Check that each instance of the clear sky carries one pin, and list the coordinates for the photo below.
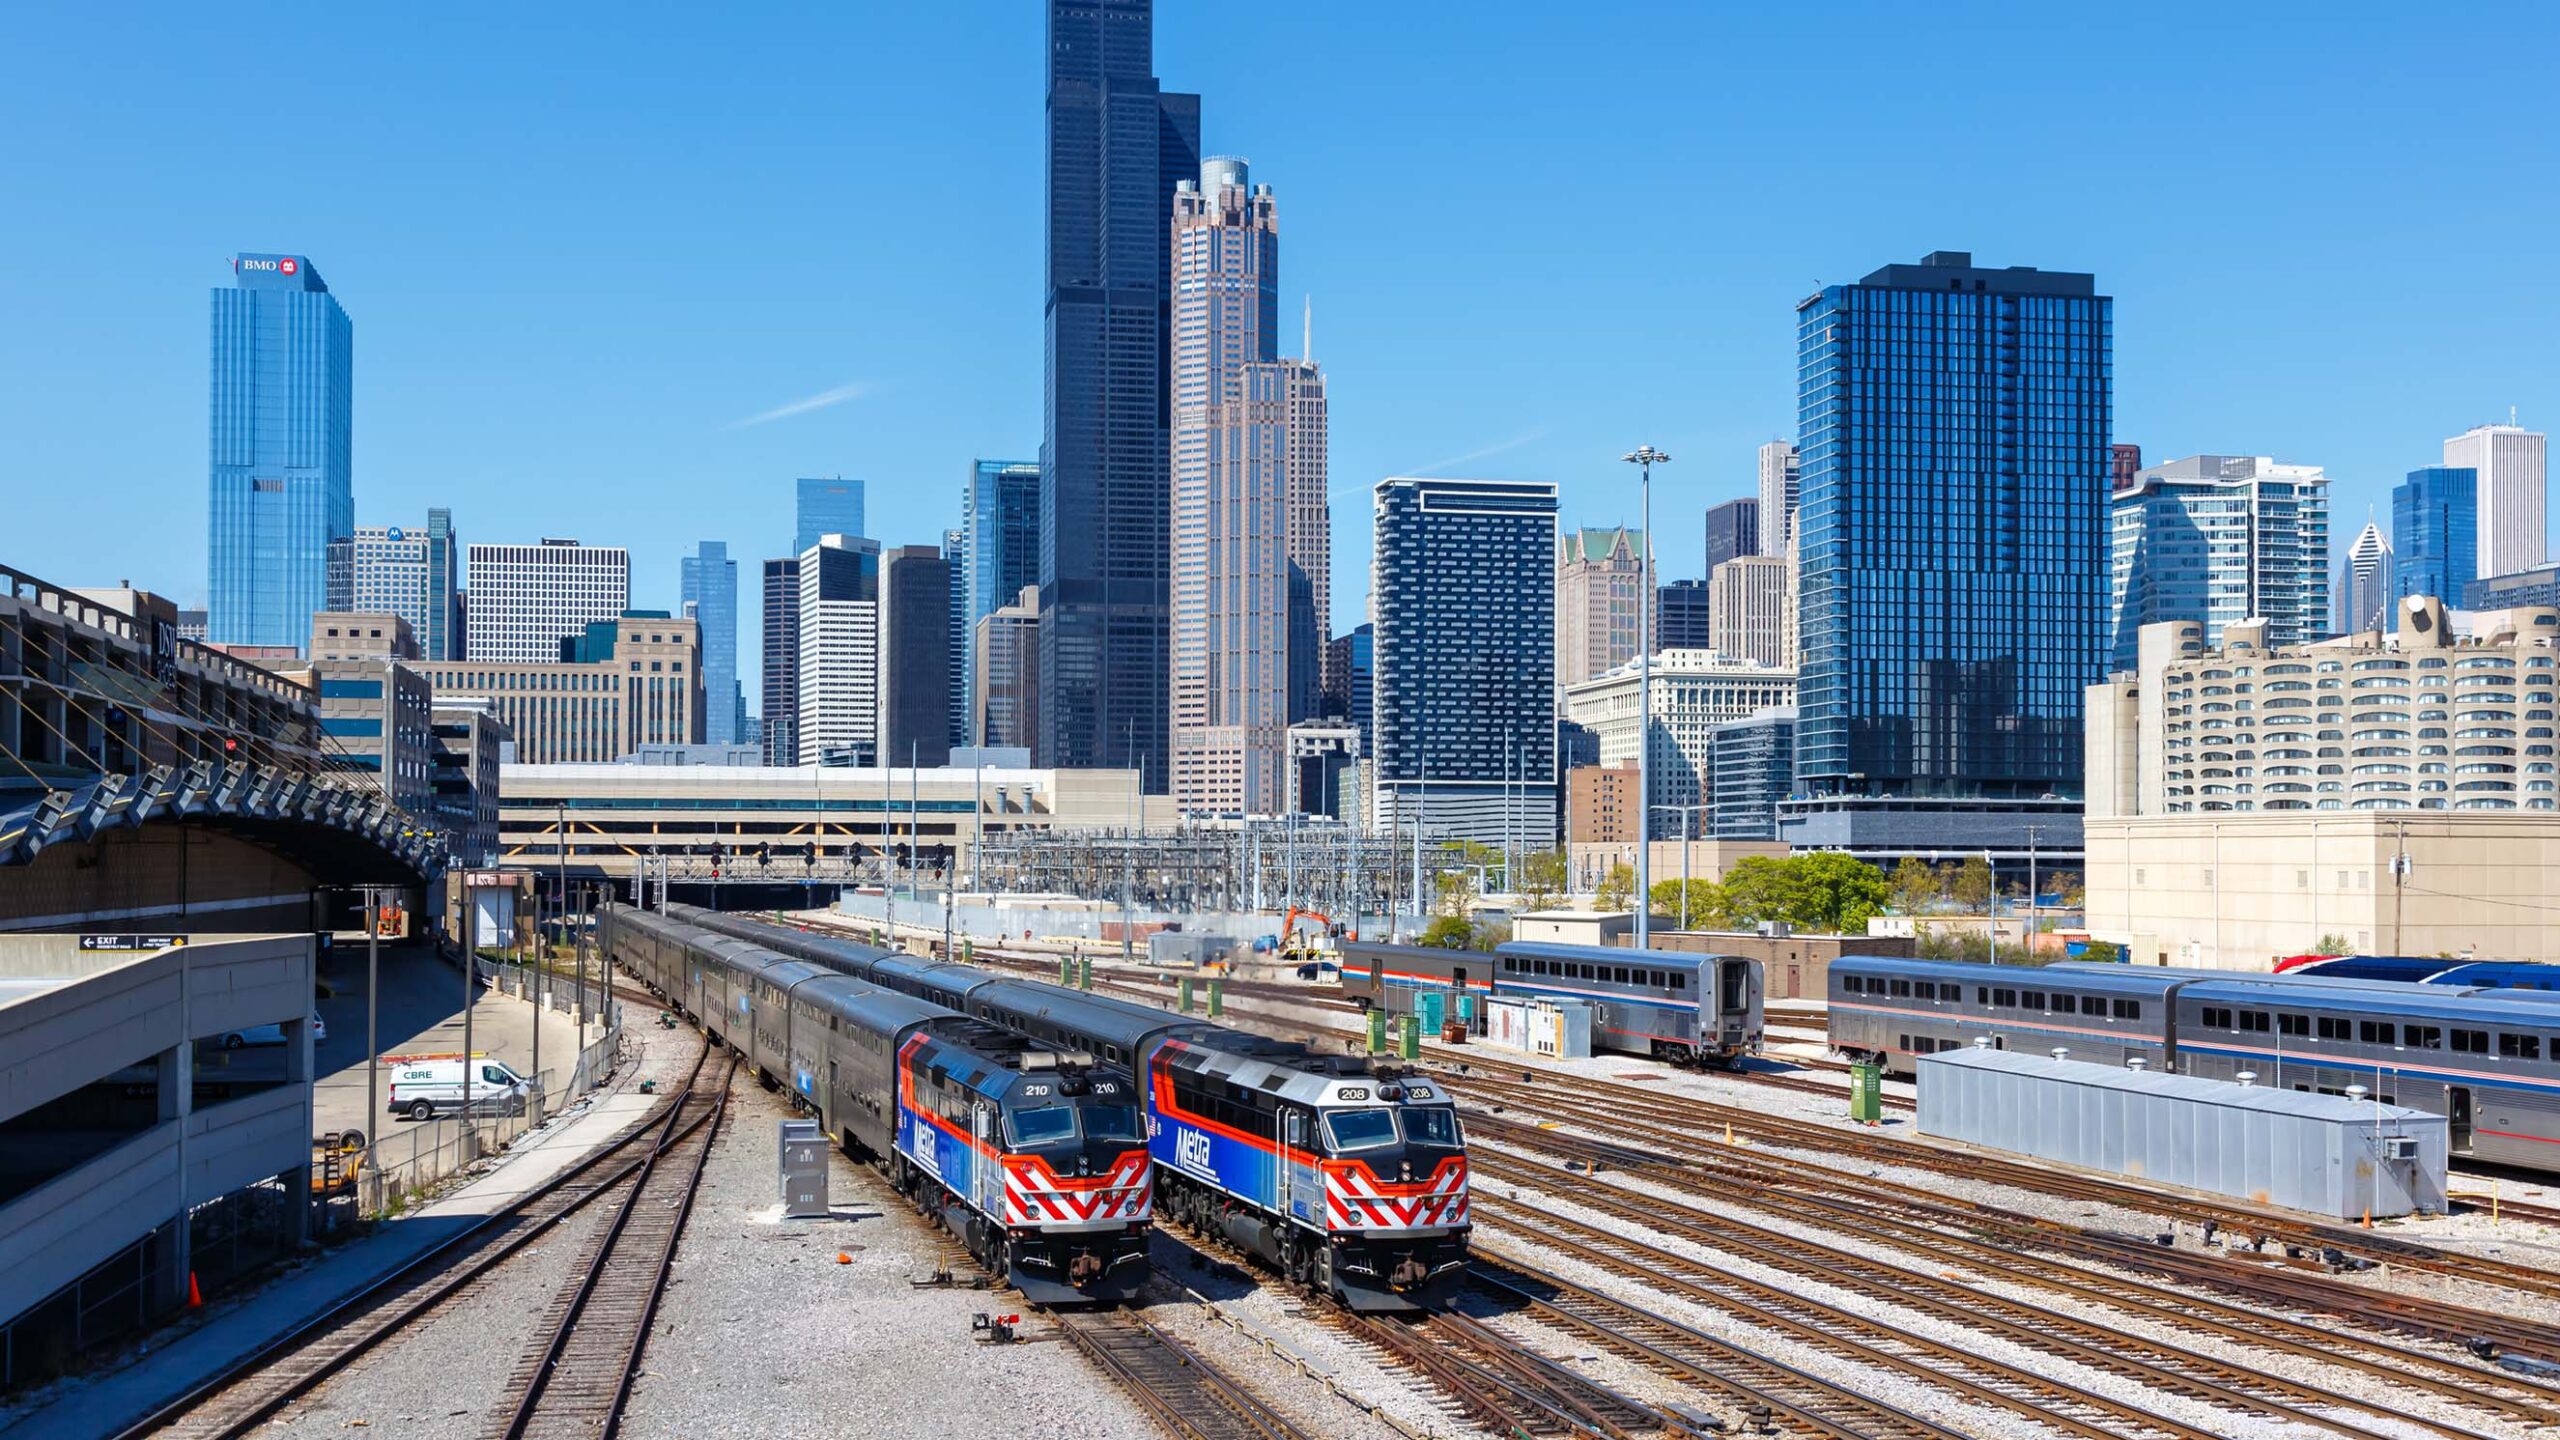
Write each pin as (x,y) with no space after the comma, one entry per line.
(596,255)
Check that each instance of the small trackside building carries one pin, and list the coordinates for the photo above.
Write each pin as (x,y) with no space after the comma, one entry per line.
(2326,1155)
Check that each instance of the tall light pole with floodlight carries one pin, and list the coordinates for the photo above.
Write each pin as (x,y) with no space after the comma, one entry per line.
(1645,457)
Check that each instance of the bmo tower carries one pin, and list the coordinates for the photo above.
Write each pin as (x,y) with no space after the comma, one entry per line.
(282,450)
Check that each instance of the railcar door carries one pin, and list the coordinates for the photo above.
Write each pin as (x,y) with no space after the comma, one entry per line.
(1304,1194)
(2457,1118)
(986,1176)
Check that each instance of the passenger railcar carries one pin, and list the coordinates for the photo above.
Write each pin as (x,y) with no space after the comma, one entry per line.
(1350,1180)
(1380,976)
(1032,1156)
(1664,1003)
(1895,1009)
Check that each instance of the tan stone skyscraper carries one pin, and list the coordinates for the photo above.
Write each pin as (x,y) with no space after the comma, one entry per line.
(1601,590)
(1251,533)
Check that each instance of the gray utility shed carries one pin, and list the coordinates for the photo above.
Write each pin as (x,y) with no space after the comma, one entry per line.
(2325,1154)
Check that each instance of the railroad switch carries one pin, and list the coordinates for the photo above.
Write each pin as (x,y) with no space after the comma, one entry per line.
(994,1329)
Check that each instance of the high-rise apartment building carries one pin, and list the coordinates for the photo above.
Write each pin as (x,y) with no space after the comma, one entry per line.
(2363,593)
(1350,667)
(839,687)
(415,574)
(1297,388)
(2220,539)
(710,586)
(1465,726)
(1684,617)
(1601,587)
(1954,422)
(1781,481)
(1005,704)
(526,599)
(1751,610)
(823,507)
(282,481)
(915,656)
(2510,495)
(1733,530)
(955,680)
(1753,765)
(782,662)
(2435,532)
(1117,145)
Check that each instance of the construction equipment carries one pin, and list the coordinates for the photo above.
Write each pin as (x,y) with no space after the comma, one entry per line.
(1293,952)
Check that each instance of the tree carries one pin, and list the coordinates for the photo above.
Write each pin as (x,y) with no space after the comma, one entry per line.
(1915,885)
(2102,952)
(1973,884)
(1706,908)
(2068,889)
(1487,937)
(1454,894)
(2334,944)
(1617,887)
(1448,932)
(1542,880)
(1823,891)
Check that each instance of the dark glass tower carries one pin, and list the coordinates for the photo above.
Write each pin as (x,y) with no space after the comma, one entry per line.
(1953,531)
(1117,145)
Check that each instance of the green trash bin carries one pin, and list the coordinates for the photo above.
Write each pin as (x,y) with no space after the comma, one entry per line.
(1866,1092)
(1217,996)
(1409,1044)
(1186,994)
(1377,1031)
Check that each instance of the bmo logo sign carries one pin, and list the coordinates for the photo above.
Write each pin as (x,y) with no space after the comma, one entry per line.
(272,264)
(288,265)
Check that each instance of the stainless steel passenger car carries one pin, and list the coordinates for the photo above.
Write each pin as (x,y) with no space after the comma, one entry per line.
(1897,1009)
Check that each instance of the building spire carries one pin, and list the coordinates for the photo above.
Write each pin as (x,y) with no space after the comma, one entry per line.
(1307,338)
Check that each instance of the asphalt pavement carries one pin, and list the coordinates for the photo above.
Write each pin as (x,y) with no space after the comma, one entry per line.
(420,1011)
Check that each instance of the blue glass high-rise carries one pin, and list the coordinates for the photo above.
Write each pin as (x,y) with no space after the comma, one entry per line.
(282,477)
(826,507)
(999,548)
(711,597)
(2435,533)
(1953,534)
(1117,144)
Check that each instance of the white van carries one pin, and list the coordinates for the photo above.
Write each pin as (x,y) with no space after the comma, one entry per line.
(422,1086)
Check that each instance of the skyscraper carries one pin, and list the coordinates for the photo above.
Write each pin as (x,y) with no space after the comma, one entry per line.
(2508,460)
(1465,723)
(1749,609)
(1954,422)
(393,570)
(955,665)
(2220,539)
(2364,583)
(1600,594)
(782,661)
(526,599)
(1350,668)
(2435,532)
(1117,144)
(839,687)
(2128,464)
(915,656)
(283,421)
(1733,529)
(830,506)
(442,637)
(1000,530)
(1684,618)
(710,595)
(1780,479)
(1005,699)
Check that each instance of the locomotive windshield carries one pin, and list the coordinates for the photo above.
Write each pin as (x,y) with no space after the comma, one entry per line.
(1360,1129)
(1431,1125)
(1046,1125)
(1111,1122)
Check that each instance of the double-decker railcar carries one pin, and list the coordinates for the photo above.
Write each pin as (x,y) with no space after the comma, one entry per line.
(1377,975)
(1668,1004)
(1896,1009)
(1032,1156)
(1350,1180)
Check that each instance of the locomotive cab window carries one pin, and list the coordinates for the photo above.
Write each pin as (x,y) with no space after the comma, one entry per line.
(1347,1130)
(1045,1125)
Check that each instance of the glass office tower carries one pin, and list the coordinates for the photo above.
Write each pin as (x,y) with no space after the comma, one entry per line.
(999,553)
(711,596)
(1953,530)
(2435,532)
(826,507)
(283,486)
(1117,145)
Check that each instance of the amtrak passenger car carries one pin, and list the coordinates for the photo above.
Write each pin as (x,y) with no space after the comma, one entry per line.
(1352,1181)
(1034,1158)
(1667,1004)
(1896,1010)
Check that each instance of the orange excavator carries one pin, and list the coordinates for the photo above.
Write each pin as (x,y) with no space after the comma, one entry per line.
(1290,949)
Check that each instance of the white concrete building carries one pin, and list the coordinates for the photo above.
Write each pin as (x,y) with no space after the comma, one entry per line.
(840,651)
(525,599)
(1693,692)
(2363,591)
(1751,609)
(1780,474)
(2509,462)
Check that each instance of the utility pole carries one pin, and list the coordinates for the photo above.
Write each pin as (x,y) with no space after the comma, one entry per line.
(2399,878)
(372,1037)
(1644,457)
(2034,832)
(1128,852)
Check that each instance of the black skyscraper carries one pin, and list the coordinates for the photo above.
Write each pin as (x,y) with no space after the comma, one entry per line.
(1733,530)
(1117,144)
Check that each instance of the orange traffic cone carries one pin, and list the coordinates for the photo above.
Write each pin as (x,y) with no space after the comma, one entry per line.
(195,1293)
(843,1259)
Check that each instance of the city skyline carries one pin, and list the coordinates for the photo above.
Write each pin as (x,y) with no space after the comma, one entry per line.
(424,446)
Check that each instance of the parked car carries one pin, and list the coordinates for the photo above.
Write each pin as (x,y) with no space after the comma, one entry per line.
(271,1034)
(423,1086)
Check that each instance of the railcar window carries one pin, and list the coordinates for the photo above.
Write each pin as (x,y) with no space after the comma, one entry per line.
(1924,989)
(2215,1017)
(2471,1042)
(2423,1037)
(2004,999)
(1901,989)
(1679,980)
(1359,1129)
(1111,1122)
(2376,1032)
(2128,1009)
(2254,1020)
(2332,1028)
(1622,976)
(2031,999)
(1046,1125)
(2293,1024)
(2066,1004)
(1981,994)
(2519,1047)
(1431,1125)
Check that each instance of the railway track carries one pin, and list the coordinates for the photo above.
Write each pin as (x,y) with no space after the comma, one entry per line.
(1491,1380)
(1188,1398)
(2185,1311)
(245,1396)
(1582,1100)
(572,1383)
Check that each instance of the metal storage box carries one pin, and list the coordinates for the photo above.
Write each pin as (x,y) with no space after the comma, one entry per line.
(2326,1154)
(804,1171)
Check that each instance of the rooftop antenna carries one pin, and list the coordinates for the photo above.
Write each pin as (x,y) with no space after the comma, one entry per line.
(1307,339)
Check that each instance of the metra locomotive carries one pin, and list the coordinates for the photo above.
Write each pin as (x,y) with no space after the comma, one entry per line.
(1672,1006)
(1028,1153)
(2487,1060)
(1350,1180)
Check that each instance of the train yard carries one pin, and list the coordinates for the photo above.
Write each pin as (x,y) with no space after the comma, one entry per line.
(1655,1252)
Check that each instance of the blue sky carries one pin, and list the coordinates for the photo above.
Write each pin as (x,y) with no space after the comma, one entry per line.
(585,247)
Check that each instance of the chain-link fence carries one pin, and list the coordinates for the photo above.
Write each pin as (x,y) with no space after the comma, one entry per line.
(413,1159)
